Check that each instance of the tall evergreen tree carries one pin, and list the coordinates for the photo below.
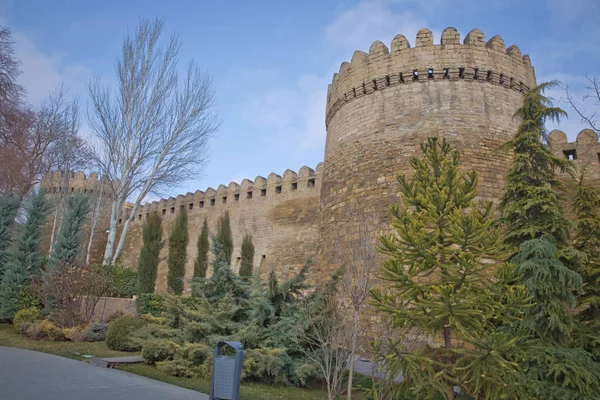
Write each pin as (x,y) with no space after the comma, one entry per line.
(201,263)
(440,285)
(178,242)
(586,206)
(530,205)
(149,254)
(247,257)
(224,236)
(9,205)
(68,244)
(25,259)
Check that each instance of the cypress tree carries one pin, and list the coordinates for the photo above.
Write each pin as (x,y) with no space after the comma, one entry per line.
(440,285)
(201,263)
(149,254)
(178,242)
(67,249)
(25,259)
(225,237)
(9,205)
(530,204)
(247,257)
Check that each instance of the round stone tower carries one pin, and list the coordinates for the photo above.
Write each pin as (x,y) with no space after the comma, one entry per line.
(380,108)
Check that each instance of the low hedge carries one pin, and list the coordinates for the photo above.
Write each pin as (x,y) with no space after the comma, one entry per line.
(150,303)
(118,336)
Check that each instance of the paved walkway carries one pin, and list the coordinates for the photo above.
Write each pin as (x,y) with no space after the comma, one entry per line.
(29,375)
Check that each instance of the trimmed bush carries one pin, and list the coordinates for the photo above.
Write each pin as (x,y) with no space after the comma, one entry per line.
(45,329)
(159,350)
(96,332)
(118,336)
(150,303)
(26,316)
(122,280)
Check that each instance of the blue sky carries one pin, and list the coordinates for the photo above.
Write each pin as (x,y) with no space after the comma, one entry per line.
(271,60)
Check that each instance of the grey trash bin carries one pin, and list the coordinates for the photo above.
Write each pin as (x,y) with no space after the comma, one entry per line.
(226,373)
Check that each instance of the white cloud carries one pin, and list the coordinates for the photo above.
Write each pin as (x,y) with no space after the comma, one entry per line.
(43,72)
(298,111)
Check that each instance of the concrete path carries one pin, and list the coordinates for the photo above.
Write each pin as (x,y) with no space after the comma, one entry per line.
(29,375)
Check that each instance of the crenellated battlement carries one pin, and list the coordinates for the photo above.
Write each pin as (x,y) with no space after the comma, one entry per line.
(584,151)
(474,60)
(77,181)
(273,188)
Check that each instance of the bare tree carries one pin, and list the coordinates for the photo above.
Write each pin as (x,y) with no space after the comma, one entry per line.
(153,132)
(358,258)
(322,336)
(592,96)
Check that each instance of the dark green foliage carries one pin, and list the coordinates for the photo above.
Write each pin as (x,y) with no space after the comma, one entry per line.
(247,256)
(530,204)
(178,242)
(150,303)
(118,336)
(228,307)
(96,332)
(440,285)
(201,263)
(25,260)
(122,281)
(9,205)
(159,350)
(224,236)
(67,249)
(586,206)
(552,288)
(149,254)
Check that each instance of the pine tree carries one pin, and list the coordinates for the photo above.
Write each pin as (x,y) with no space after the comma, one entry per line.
(224,236)
(9,205)
(247,256)
(149,254)
(25,259)
(178,242)
(201,263)
(530,205)
(67,249)
(440,284)
(586,206)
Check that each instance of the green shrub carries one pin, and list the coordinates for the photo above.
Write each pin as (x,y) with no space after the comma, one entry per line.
(150,303)
(26,316)
(159,350)
(27,298)
(45,329)
(95,333)
(119,334)
(196,353)
(266,364)
(178,367)
(122,280)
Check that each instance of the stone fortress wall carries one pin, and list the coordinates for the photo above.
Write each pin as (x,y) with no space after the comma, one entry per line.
(380,108)
(382,105)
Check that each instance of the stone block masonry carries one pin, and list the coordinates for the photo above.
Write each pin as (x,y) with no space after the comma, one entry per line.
(380,108)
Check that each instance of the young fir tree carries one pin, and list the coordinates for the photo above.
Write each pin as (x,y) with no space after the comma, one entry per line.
(247,257)
(178,242)
(8,211)
(25,259)
(530,204)
(149,254)
(201,263)
(67,249)
(440,284)
(224,236)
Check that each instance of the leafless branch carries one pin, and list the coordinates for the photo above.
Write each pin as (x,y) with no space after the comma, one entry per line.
(593,96)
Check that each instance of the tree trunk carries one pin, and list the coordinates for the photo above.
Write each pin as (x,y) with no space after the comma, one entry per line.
(94,223)
(353,352)
(124,232)
(112,233)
